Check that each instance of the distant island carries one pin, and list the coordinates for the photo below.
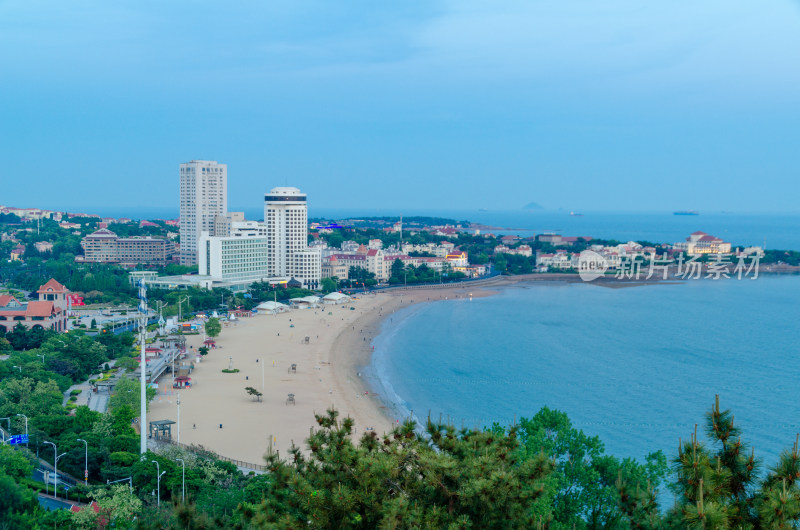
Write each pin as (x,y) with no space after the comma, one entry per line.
(533,206)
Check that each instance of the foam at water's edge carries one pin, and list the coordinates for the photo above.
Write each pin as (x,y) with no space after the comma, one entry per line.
(377,371)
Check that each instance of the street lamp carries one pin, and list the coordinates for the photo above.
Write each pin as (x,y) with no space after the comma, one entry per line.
(18,368)
(26,428)
(86,462)
(129,479)
(9,424)
(158,480)
(55,464)
(183,479)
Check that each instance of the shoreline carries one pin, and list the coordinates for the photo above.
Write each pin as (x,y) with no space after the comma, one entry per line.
(353,373)
(217,413)
(334,368)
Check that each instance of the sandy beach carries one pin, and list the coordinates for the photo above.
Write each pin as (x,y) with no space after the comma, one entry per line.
(328,374)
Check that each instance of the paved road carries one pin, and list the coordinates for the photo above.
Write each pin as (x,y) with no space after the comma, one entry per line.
(99,401)
(95,401)
(50,503)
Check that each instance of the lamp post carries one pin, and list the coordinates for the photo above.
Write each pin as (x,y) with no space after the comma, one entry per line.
(129,479)
(18,368)
(179,417)
(55,465)
(9,427)
(183,479)
(86,462)
(26,428)
(158,481)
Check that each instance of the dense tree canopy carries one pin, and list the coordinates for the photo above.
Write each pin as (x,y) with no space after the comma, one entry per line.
(446,479)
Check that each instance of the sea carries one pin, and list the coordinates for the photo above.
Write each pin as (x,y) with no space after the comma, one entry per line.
(637,366)
(767,230)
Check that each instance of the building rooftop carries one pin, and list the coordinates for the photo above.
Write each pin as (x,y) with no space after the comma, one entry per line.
(52,286)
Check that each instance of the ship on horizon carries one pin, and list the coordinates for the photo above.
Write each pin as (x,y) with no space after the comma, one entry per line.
(686,212)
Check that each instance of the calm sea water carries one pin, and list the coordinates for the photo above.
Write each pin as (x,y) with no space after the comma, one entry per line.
(637,366)
(746,229)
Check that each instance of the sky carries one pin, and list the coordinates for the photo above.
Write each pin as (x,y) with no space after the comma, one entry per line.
(576,104)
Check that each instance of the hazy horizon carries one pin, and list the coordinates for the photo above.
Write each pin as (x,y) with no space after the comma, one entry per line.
(575,105)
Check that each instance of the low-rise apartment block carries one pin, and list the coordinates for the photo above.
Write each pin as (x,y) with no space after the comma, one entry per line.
(104,246)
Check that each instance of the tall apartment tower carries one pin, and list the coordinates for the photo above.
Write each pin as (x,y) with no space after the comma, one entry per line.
(204,196)
(286,217)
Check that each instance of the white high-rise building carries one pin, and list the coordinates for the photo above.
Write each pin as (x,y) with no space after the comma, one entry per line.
(236,260)
(286,217)
(203,197)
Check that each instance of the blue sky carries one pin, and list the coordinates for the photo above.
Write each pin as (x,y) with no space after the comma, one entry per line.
(583,105)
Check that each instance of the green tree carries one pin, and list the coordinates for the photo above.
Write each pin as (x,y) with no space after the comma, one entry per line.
(26,396)
(253,392)
(128,363)
(448,479)
(213,327)
(327,285)
(118,508)
(127,392)
(582,491)
(397,270)
(717,487)
(16,500)
(74,355)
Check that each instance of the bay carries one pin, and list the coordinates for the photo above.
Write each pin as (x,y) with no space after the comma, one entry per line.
(638,366)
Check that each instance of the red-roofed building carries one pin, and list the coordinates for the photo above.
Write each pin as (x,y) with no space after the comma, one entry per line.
(49,312)
(333,267)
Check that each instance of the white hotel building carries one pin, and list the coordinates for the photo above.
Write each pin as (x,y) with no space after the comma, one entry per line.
(286,217)
(286,220)
(234,260)
(203,197)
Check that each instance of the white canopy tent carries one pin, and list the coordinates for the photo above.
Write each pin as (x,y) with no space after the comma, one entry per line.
(336,298)
(305,302)
(272,307)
